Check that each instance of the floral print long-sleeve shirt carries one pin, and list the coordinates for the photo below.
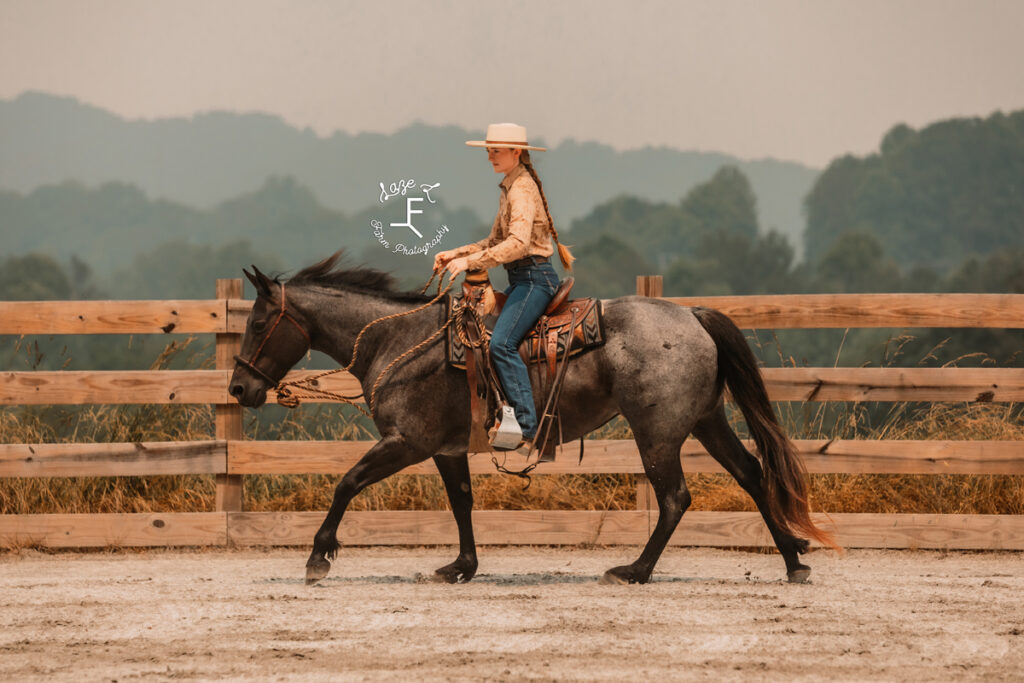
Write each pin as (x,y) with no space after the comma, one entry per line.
(520,229)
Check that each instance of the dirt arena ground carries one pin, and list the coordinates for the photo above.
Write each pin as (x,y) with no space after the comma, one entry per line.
(531,613)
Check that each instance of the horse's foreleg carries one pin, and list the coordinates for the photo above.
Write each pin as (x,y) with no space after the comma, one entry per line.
(661,464)
(724,446)
(389,455)
(455,474)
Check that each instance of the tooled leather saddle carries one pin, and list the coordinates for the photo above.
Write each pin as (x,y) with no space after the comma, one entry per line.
(566,328)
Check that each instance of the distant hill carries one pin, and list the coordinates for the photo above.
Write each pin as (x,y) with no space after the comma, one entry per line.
(209,158)
(930,197)
(109,226)
(136,246)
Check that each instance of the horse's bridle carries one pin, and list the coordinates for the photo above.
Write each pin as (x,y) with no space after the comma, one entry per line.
(251,363)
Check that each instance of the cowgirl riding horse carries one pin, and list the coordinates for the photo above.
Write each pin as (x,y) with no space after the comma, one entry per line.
(520,239)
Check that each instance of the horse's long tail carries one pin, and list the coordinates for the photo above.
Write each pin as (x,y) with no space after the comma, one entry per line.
(783,473)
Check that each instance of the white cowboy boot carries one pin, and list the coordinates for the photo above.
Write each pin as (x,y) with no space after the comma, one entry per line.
(506,435)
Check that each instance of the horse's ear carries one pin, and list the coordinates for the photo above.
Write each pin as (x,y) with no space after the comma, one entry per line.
(260,281)
(251,278)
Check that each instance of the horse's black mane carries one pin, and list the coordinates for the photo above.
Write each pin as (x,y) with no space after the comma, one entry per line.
(327,273)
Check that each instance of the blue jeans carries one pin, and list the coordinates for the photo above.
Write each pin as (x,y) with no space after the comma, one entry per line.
(530,290)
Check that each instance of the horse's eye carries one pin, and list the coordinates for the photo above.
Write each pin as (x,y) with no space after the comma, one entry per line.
(259,326)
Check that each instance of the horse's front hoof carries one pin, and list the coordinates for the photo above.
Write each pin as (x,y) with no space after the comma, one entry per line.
(444,577)
(316,570)
(621,575)
(799,575)
(456,572)
(610,579)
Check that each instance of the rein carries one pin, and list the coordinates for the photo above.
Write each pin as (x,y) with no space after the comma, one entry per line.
(290,398)
(286,391)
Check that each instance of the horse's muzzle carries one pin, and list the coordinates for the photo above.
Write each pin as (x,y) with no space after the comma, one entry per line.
(247,398)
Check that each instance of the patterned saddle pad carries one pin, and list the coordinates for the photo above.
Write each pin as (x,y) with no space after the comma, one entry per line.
(547,338)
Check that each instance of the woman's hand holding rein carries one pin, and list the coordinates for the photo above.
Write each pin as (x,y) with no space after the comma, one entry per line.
(444,260)
(459,265)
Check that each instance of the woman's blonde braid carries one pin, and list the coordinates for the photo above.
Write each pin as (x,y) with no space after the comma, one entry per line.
(563,251)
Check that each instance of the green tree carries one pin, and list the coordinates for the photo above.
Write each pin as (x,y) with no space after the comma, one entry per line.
(663,232)
(857,263)
(734,263)
(177,270)
(726,203)
(607,267)
(33,277)
(931,197)
(1001,272)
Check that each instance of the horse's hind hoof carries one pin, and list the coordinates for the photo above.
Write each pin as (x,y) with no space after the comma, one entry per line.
(316,570)
(453,573)
(620,576)
(610,579)
(799,575)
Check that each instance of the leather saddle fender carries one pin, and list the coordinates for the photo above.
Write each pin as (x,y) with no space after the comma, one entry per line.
(547,343)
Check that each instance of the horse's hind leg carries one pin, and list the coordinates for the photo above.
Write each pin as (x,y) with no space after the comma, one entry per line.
(455,474)
(661,463)
(724,446)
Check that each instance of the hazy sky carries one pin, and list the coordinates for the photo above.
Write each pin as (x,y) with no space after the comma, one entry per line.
(796,80)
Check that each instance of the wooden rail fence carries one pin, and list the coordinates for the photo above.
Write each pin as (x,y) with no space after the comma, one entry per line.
(229,456)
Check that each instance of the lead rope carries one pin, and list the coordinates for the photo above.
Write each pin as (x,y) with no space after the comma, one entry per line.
(290,398)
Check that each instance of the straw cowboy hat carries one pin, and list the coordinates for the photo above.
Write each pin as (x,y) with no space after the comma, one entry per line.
(505,135)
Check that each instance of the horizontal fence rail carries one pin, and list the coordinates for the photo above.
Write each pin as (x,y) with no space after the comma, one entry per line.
(113,459)
(772,311)
(113,317)
(784,384)
(811,311)
(229,457)
(607,456)
(505,527)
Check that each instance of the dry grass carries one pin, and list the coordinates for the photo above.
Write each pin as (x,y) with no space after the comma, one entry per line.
(984,494)
(426,492)
(951,494)
(98,424)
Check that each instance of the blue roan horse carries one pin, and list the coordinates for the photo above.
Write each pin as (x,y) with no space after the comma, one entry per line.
(663,367)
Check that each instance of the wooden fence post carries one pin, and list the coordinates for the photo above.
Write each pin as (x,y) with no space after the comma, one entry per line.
(228,416)
(647,285)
